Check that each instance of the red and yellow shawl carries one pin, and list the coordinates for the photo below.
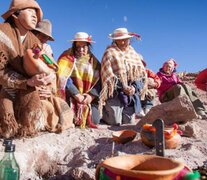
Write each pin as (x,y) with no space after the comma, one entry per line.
(85,73)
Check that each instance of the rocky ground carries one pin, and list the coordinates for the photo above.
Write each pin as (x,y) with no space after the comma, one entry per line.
(75,153)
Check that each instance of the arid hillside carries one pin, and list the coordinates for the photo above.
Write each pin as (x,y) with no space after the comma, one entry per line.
(75,153)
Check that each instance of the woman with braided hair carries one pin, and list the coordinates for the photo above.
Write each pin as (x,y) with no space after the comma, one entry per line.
(79,80)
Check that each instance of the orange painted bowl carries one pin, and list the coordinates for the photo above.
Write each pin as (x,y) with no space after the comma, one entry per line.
(148,138)
(123,136)
(140,167)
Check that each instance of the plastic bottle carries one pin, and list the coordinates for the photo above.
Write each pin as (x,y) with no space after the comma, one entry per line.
(9,169)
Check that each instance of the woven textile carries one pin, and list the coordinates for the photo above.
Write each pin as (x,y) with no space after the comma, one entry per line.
(117,65)
(85,73)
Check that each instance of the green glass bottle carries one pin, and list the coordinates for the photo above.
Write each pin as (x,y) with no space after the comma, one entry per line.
(7,141)
(9,169)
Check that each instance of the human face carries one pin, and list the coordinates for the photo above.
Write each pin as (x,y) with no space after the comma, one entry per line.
(27,19)
(123,44)
(168,68)
(81,48)
(42,37)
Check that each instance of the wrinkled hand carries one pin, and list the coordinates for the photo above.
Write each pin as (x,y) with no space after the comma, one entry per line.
(41,79)
(151,83)
(129,90)
(132,91)
(49,78)
(87,98)
(79,98)
(44,92)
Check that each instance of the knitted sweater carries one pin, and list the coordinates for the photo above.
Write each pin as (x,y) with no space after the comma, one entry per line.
(167,81)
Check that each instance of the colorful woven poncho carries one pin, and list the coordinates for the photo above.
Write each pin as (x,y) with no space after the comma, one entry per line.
(85,73)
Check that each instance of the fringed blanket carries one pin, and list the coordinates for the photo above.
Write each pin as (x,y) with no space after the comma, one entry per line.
(125,67)
(85,74)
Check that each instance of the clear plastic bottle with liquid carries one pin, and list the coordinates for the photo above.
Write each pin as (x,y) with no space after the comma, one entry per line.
(9,169)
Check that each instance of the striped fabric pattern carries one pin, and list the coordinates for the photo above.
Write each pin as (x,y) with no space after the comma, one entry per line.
(85,73)
(66,64)
(117,65)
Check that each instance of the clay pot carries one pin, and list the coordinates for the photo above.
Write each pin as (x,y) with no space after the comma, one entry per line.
(148,167)
(148,138)
(123,136)
(174,142)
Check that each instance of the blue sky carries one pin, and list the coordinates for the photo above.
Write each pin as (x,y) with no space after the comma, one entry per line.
(168,28)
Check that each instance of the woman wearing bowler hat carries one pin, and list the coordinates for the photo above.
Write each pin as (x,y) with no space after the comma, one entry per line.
(79,80)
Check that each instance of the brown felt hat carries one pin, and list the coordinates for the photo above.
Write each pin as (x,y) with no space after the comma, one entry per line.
(45,27)
(23,4)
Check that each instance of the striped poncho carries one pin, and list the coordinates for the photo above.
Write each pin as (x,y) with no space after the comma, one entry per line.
(85,73)
(117,65)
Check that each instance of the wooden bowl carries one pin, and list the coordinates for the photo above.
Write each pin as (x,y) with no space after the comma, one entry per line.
(148,167)
(123,136)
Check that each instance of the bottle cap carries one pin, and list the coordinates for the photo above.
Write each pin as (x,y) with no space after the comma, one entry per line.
(9,148)
(7,141)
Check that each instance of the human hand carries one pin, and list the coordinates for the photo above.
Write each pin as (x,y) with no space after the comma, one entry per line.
(87,98)
(49,78)
(36,80)
(41,79)
(151,85)
(129,90)
(132,91)
(44,92)
(79,98)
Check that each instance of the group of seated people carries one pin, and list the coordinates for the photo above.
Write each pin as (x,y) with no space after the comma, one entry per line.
(39,94)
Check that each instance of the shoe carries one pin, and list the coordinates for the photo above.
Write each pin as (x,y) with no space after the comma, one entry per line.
(141,113)
(199,117)
(202,114)
(146,110)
